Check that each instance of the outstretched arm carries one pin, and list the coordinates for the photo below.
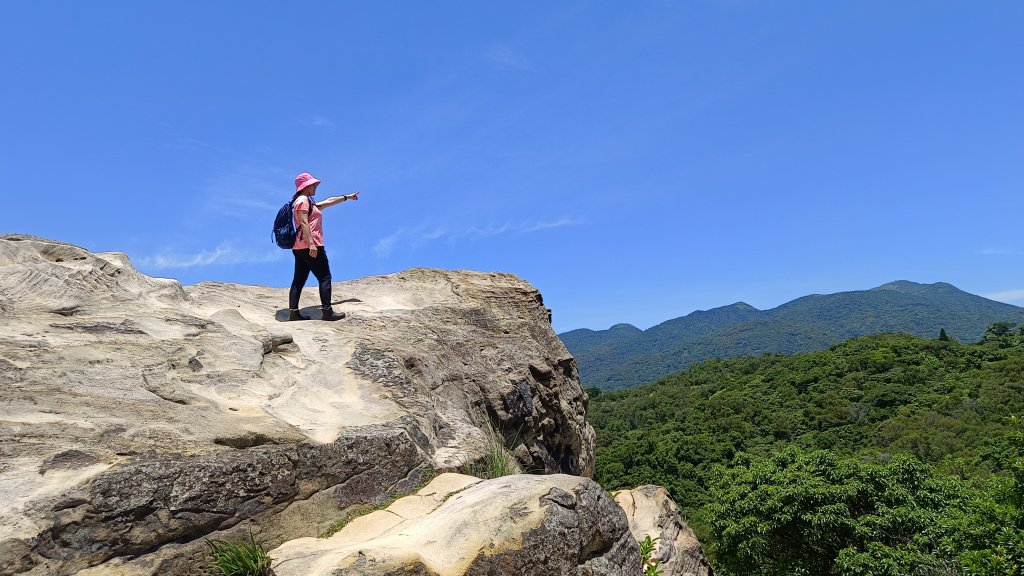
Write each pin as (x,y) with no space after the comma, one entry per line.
(337,200)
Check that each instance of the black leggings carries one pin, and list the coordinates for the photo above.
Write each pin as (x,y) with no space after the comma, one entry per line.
(320,268)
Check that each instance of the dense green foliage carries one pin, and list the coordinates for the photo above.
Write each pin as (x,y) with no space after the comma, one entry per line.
(800,512)
(823,513)
(624,356)
(886,454)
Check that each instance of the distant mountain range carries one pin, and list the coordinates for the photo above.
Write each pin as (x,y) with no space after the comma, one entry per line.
(624,356)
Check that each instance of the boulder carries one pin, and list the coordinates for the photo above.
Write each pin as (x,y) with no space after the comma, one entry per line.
(138,416)
(459,525)
(650,511)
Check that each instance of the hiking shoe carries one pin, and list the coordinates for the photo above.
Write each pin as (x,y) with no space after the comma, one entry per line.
(295,315)
(330,315)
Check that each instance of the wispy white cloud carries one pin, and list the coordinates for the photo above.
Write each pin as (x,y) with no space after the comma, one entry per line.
(412,237)
(993,251)
(504,56)
(420,235)
(434,234)
(384,246)
(186,143)
(545,225)
(245,191)
(318,121)
(1008,296)
(221,255)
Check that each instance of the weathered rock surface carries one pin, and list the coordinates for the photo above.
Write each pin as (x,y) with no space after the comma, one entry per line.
(458,525)
(137,415)
(651,511)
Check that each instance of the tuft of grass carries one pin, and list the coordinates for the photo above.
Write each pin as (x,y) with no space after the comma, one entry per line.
(497,461)
(245,558)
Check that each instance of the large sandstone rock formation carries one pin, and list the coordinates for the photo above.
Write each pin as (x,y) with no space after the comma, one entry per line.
(553,525)
(137,415)
(650,511)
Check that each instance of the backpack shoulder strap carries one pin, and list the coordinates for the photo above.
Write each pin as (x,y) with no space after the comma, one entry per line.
(309,203)
(309,211)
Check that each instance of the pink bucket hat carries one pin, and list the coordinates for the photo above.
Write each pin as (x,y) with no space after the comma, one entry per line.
(303,180)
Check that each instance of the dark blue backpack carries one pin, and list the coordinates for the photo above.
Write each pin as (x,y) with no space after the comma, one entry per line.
(284,225)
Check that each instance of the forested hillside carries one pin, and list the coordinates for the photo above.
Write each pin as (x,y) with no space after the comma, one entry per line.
(886,454)
(625,356)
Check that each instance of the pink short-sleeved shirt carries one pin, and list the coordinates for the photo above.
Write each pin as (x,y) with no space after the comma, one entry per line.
(315,223)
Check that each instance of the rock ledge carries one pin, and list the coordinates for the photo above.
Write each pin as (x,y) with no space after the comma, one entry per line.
(138,416)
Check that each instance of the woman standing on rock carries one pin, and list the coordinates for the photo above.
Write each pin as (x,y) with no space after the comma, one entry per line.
(308,250)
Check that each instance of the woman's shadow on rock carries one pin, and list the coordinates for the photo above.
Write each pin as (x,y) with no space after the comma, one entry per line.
(312,312)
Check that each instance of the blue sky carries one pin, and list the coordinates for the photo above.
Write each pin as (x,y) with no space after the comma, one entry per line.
(634,161)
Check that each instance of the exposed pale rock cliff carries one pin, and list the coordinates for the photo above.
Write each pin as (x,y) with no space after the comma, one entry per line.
(650,511)
(554,525)
(137,415)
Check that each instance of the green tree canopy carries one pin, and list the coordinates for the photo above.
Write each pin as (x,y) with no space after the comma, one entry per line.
(837,427)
